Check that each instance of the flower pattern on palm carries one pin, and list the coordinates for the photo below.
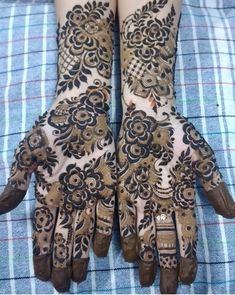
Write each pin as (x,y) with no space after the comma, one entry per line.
(85,43)
(81,123)
(162,182)
(143,135)
(78,125)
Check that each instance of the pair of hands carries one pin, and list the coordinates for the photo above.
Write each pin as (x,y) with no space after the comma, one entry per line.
(71,151)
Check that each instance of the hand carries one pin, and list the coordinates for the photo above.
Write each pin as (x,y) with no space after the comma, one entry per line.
(159,158)
(71,151)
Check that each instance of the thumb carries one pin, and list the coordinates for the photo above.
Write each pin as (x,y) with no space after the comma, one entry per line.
(15,189)
(25,162)
(216,190)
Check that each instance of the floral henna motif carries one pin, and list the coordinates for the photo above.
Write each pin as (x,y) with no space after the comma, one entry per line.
(32,152)
(94,181)
(148,56)
(143,135)
(81,123)
(85,43)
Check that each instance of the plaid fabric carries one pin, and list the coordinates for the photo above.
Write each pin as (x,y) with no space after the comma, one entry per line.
(205,78)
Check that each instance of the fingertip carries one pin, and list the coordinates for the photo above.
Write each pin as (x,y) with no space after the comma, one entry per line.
(60,278)
(101,244)
(10,198)
(147,273)
(222,201)
(188,270)
(168,280)
(42,267)
(130,248)
(79,269)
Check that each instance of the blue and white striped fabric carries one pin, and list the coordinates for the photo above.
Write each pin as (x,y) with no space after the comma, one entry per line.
(205,78)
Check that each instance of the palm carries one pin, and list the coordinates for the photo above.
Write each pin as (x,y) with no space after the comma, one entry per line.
(71,151)
(159,158)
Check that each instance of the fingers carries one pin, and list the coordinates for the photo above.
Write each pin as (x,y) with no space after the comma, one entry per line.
(45,215)
(166,246)
(187,237)
(62,249)
(127,220)
(83,233)
(44,224)
(146,234)
(104,223)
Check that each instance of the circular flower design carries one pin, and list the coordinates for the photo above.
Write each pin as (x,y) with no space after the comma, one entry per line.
(134,152)
(76,41)
(192,136)
(135,38)
(95,98)
(61,253)
(76,16)
(81,118)
(156,32)
(94,182)
(184,196)
(91,27)
(205,169)
(43,219)
(80,186)
(77,199)
(73,179)
(59,239)
(35,140)
(139,128)
(161,136)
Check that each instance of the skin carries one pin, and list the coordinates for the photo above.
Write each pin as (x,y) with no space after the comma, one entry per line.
(160,153)
(71,150)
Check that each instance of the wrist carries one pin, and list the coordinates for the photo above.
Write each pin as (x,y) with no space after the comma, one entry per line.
(150,106)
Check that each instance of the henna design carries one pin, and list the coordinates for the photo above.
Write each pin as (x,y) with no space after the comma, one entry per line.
(85,43)
(81,123)
(148,56)
(143,135)
(165,180)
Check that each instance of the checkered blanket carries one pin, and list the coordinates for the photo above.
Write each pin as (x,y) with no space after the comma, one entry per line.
(205,78)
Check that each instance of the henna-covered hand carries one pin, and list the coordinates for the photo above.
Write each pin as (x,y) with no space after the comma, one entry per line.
(160,153)
(71,151)
(158,162)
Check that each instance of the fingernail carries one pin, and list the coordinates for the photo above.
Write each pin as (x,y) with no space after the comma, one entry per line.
(79,269)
